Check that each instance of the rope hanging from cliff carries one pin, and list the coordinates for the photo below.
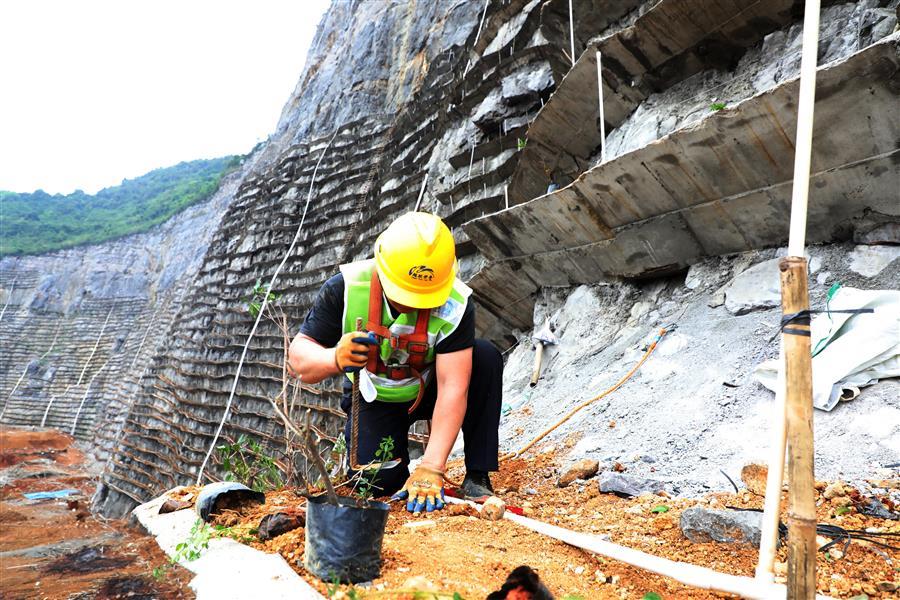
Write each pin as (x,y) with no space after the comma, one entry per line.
(262,310)
(572,412)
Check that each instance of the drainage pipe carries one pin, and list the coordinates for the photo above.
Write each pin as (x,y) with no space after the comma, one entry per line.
(695,576)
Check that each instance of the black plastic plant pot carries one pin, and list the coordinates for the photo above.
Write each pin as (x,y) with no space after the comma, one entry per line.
(344,542)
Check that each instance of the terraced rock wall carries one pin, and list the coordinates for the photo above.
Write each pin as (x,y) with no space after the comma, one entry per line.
(80,326)
(479,112)
(364,141)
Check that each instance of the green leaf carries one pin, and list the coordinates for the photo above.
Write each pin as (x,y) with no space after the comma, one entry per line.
(457,596)
(662,508)
(717,106)
(841,510)
(652,596)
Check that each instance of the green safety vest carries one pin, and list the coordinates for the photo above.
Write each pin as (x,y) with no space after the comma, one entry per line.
(442,321)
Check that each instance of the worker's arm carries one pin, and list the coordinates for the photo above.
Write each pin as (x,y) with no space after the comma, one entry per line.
(453,371)
(312,362)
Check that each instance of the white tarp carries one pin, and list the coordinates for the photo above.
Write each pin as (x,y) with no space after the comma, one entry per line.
(849,350)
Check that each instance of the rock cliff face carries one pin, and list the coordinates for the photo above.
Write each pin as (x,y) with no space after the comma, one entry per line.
(80,326)
(474,110)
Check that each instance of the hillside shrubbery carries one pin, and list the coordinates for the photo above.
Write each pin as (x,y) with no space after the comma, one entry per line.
(38,222)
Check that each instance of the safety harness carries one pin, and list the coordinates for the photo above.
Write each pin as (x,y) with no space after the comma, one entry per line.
(415,344)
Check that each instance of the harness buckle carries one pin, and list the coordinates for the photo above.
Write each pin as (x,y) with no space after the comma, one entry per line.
(417,348)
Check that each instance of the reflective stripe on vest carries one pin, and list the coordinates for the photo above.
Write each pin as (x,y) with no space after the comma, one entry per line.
(442,322)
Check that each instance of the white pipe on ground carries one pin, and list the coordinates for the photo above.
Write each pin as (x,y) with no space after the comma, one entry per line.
(688,574)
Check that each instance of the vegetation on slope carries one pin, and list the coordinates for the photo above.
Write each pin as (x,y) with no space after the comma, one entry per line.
(38,222)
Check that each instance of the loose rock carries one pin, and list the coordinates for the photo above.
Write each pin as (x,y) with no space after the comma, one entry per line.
(493,509)
(703,524)
(583,469)
(628,485)
(834,490)
(757,288)
(459,510)
(754,477)
(275,524)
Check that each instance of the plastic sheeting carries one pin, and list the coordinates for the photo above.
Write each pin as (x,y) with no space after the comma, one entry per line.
(849,350)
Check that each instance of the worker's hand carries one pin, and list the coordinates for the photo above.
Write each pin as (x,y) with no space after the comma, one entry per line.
(352,351)
(423,489)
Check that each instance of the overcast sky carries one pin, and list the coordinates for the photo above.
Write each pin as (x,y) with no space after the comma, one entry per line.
(93,91)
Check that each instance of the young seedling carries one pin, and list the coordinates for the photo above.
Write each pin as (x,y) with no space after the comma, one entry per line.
(246,461)
(365,485)
(717,106)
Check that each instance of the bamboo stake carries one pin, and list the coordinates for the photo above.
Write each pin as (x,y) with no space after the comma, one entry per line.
(801,576)
(798,403)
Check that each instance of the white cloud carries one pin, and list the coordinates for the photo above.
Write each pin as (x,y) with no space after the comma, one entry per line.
(97,90)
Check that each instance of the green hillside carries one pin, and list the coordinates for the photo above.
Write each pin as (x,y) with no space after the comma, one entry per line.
(38,222)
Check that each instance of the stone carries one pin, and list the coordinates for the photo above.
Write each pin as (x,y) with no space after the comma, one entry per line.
(834,490)
(869,261)
(628,485)
(731,526)
(172,504)
(887,586)
(885,233)
(757,288)
(717,299)
(459,510)
(582,469)
(754,477)
(278,523)
(493,509)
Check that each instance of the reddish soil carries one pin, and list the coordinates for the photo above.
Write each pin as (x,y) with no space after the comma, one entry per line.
(446,553)
(55,549)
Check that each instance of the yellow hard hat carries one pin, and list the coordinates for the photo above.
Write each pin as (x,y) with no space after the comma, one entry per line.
(416,260)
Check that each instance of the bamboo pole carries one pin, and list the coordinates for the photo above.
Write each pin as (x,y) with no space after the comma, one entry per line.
(801,576)
(571,34)
(798,403)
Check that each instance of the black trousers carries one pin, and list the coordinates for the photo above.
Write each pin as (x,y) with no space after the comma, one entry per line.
(378,420)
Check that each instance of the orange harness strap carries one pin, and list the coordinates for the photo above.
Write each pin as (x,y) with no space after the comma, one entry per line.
(415,344)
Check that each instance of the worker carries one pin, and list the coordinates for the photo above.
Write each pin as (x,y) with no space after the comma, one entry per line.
(417,360)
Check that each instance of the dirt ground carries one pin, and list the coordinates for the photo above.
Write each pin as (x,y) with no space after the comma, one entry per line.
(55,549)
(446,553)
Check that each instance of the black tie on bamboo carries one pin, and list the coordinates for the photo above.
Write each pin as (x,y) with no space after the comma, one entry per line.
(802,318)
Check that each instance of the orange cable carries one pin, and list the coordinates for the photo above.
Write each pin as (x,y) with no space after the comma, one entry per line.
(569,415)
